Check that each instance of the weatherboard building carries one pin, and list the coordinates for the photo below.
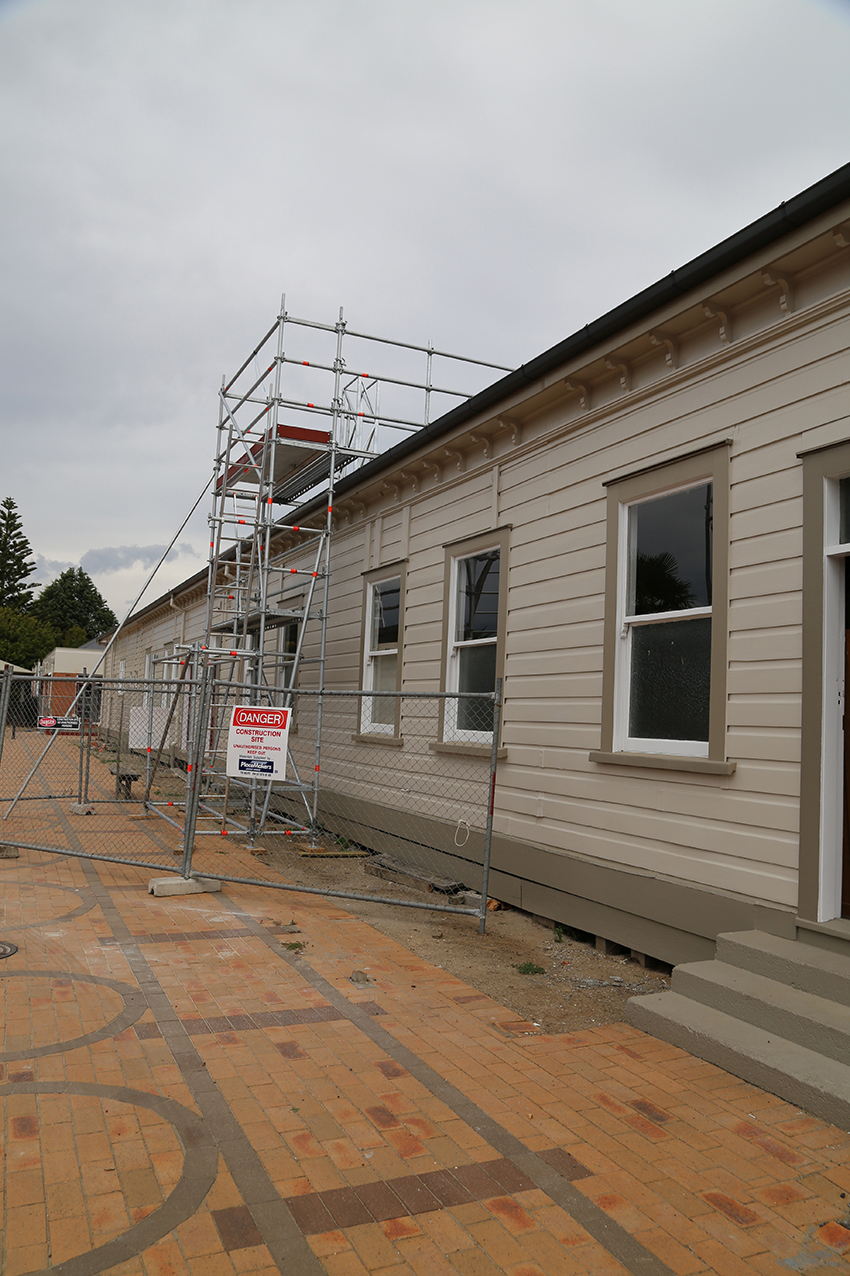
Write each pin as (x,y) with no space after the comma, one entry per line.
(663,501)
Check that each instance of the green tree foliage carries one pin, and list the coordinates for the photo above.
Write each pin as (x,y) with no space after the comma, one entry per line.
(16,562)
(23,639)
(75,637)
(72,600)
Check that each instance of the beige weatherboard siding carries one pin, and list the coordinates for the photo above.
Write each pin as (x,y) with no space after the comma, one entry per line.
(726,384)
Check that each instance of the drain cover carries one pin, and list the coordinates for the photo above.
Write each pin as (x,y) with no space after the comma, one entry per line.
(6,950)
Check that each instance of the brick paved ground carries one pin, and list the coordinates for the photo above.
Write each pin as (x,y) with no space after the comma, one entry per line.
(182,1093)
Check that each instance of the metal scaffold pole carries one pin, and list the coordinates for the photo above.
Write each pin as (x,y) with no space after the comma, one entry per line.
(288,427)
(5,694)
(336,412)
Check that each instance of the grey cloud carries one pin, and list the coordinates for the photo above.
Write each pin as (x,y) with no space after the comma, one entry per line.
(114,559)
(503,179)
(47,568)
(117,558)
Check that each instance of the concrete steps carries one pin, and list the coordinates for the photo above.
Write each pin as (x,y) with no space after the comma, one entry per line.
(775,1012)
(800,965)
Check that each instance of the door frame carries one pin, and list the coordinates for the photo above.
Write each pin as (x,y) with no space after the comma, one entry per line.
(822,732)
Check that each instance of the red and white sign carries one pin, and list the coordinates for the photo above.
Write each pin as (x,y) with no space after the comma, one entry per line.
(59,724)
(256,742)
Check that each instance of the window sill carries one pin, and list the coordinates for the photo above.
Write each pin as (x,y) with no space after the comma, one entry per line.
(665,762)
(466,750)
(388,741)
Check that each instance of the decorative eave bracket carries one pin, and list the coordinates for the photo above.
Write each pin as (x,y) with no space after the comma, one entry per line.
(478,437)
(670,347)
(841,235)
(771,280)
(623,373)
(713,311)
(451,455)
(351,509)
(576,387)
(507,423)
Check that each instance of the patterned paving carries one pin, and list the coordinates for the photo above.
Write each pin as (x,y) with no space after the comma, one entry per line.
(96,1172)
(181,1093)
(46,1011)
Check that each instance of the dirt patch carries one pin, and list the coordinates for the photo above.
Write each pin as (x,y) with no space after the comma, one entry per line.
(577,986)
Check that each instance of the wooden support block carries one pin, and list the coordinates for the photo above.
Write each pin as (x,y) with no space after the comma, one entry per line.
(607,946)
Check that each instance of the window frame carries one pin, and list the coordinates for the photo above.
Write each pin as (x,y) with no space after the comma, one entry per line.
(283,671)
(384,732)
(708,465)
(455,553)
(628,622)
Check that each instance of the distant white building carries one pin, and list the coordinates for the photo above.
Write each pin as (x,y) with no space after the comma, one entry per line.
(64,664)
(66,661)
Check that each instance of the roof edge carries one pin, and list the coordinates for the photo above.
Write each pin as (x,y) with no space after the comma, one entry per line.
(788,216)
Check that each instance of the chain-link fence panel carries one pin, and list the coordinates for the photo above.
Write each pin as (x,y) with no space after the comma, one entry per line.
(87,766)
(377,796)
(385,797)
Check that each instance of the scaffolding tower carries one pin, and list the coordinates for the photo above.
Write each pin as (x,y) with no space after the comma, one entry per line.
(289,426)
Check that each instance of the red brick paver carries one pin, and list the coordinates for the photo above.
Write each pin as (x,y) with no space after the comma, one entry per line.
(347,1134)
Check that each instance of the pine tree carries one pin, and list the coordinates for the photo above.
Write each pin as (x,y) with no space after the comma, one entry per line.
(74,601)
(15,551)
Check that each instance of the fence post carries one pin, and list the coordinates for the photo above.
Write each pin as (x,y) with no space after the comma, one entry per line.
(5,693)
(81,710)
(88,702)
(193,797)
(118,748)
(491,799)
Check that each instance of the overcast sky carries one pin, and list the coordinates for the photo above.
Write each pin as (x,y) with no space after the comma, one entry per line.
(487,174)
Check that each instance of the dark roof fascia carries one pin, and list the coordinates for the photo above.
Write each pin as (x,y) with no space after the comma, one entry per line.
(790,215)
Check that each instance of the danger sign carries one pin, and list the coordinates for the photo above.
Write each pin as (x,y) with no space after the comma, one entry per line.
(59,724)
(256,742)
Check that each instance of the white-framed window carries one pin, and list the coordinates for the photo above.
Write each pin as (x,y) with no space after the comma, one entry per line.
(473,643)
(666,615)
(665,607)
(382,654)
